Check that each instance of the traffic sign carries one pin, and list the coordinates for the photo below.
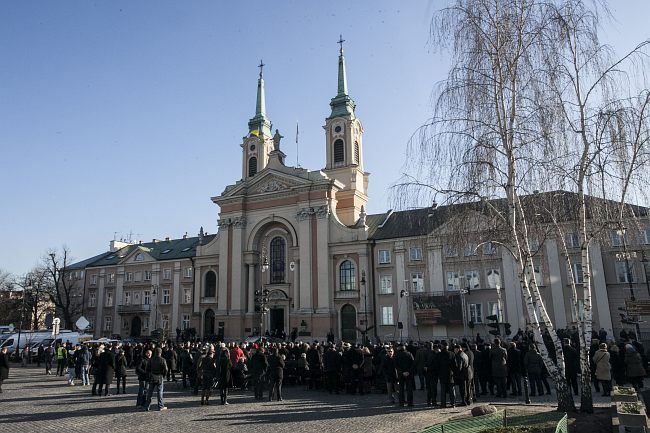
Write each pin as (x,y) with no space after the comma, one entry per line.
(11,328)
(82,323)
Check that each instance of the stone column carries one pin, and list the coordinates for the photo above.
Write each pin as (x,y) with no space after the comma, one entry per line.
(511,292)
(434,267)
(117,300)
(222,286)
(599,299)
(99,303)
(251,288)
(175,298)
(304,234)
(325,295)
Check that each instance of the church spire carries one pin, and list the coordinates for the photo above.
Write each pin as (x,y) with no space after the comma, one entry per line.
(260,125)
(342,105)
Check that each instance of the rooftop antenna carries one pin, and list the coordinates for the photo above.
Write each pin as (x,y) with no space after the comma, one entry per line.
(297,147)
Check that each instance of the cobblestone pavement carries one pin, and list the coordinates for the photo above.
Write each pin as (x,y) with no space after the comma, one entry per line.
(34,402)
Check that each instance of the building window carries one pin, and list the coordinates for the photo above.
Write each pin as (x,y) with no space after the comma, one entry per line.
(146,299)
(347,276)
(489,249)
(210,285)
(470,250)
(578,276)
(417,282)
(165,297)
(108,323)
(127,298)
(165,321)
(453,282)
(252,166)
(93,279)
(384,256)
(645,236)
(581,311)
(188,272)
(110,278)
(91,324)
(125,324)
(472,280)
(494,310)
(476,313)
(387,316)
(356,152)
(617,238)
(187,296)
(339,152)
(450,251)
(136,298)
(139,257)
(92,299)
(167,274)
(415,254)
(147,275)
(277,260)
(623,271)
(145,324)
(186,321)
(109,299)
(128,276)
(572,240)
(386,284)
(493,278)
(533,245)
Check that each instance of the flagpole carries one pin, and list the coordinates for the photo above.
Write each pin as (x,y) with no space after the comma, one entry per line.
(297,147)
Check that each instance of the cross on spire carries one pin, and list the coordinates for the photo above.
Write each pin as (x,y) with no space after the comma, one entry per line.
(261,66)
(341,40)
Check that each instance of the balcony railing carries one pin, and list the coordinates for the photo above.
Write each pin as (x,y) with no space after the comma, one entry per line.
(346,294)
(134,308)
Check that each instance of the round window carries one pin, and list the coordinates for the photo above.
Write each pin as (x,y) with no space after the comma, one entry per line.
(252,147)
(337,129)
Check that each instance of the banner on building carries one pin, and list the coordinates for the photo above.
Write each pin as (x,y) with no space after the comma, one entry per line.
(437,310)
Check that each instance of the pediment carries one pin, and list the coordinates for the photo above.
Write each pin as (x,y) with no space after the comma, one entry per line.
(139,254)
(271,181)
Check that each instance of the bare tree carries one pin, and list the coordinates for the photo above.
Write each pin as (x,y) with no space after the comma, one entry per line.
(62,287)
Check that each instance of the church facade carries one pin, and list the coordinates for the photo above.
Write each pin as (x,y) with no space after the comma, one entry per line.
(295,252)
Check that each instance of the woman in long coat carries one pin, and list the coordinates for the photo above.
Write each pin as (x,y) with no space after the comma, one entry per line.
(603,372)
(634,367)
(120,371)
(617,363)
(208,376)
(276,375)
(94,370)
(224,374)
(106,370)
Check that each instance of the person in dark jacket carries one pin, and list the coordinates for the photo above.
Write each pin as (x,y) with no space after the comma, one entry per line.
(224,374)
(534,366)
(171,358)
(514,369)
(276,374)
(485,371)
(315,362)
(208,375)
(405,364)
(431,367)
(186,365)
(389,368)
(461,375)
(106,363)
(259,364)
(499,363)
(332,364)
(446,372)
(618,365)
(141,369)
(353,369)
(156,370)
(4,366)
(120,371)
(571,365)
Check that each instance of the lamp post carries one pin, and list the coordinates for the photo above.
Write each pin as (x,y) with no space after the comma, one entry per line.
(365,307)
(463,302)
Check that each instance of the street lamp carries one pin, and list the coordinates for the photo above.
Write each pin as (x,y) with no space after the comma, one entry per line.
(262,298)
(365,306)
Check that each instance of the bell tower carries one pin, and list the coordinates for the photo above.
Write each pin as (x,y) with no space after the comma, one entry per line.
(344,151)
(258,143)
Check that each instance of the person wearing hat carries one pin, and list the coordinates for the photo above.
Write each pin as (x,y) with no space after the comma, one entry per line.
(603,369)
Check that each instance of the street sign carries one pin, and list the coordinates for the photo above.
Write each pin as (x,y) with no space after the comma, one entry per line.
(11,328)
(638,308)
(82,323)
(55,326)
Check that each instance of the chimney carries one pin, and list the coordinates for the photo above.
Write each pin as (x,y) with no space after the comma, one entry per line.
(167,239)
(185,235)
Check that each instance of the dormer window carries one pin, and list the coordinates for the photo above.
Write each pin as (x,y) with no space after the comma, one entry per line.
(139,257)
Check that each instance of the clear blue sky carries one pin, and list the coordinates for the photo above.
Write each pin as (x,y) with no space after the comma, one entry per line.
(126,116)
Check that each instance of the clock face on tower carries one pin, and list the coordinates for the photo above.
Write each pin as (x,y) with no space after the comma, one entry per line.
(252,145)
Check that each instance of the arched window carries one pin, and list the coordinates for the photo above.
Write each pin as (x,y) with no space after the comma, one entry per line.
(347,276)
(277,260)
(252,166)
(210,290)
(339,151)
(356,152)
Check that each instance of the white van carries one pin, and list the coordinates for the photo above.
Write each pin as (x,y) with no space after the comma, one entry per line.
(12,342)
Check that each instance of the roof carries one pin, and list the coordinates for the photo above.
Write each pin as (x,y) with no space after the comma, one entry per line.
(172,249)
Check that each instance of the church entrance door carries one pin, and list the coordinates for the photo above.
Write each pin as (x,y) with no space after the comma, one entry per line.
(276,321)
(349,324)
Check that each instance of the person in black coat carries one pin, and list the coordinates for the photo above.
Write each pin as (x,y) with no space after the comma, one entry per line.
(4,366)
(431,368)
(224,374)
(208,375)
(514,369)
(571,364)
(332,365)
(446,366)
(143,378)
(389,369)
(485,371)
(259,364)
(405,363)
(120,371)
(276,374)
(106,364)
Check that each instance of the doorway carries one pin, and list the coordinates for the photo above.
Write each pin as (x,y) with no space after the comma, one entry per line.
(276,322)
(349,324)
(136,326)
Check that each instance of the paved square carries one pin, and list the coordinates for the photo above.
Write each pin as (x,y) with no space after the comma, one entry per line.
(34,402)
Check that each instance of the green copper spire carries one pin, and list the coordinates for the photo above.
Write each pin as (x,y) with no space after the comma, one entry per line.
(260,125)
(342,105)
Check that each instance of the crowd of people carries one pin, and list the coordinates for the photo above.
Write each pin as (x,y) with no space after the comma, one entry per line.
(449,372)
